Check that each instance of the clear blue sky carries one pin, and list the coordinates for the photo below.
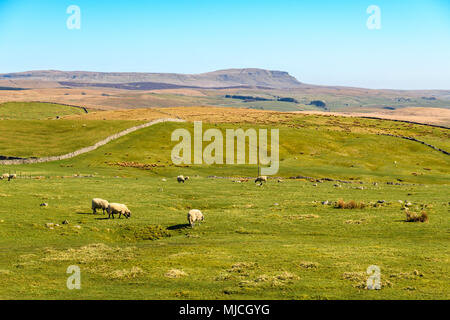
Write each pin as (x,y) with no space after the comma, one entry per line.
(320,42)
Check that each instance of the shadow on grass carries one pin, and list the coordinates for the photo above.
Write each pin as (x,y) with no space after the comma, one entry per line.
(179,226)
(90,213)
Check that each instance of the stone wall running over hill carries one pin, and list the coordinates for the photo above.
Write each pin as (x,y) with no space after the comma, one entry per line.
(415,140)
(90,148)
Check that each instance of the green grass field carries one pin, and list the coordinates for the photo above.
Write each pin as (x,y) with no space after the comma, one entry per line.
(40,138)
(271,242)
(35,111)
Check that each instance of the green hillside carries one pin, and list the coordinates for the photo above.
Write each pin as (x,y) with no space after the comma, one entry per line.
(41,138)
(308,147)
(35,110)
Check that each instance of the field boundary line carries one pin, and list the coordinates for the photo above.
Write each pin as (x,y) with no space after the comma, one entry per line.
(415,140)
(90,148)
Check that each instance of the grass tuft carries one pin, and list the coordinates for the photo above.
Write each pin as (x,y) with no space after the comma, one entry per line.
(341,204)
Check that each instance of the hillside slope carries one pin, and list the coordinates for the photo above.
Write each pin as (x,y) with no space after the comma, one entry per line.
(314,146)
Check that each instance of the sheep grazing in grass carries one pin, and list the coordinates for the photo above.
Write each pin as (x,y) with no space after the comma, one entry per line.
(4,176)
(194,216)
(182,179)
(12,176)
(98,203)
(118,208)
(261,179)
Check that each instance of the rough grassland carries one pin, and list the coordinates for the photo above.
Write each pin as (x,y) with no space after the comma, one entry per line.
(40,138)
(315,151)
(35,111)
(271,242)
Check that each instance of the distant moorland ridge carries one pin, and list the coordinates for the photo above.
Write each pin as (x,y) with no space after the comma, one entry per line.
(223,78)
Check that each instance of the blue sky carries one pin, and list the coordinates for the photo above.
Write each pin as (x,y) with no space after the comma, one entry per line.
(320,42)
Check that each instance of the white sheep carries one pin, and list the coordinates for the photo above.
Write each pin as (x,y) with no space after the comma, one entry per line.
(118,208)
(4,176)
(194,216)
(98,203)
(261,179)
(182,179)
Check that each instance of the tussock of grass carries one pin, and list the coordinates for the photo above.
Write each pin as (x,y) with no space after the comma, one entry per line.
(175,273)
(360,280)
(303,216)
(90,253)
(263,281)
(407,275)
(414,217)
(242,267)
(309,265)
(341,204)
(285,276)
(362,221)
(134,272)
(355,276)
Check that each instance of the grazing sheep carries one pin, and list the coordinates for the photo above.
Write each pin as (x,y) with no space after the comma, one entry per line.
(194,216)
(118,208)
(182,179)
(98,203)
(12,176)
(4,176)
(261,179)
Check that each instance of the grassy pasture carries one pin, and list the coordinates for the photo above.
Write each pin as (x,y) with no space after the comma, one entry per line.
(35,111)
(271,242)
(40,138)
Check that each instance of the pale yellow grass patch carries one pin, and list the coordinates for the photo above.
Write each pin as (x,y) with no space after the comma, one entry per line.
(175,273)
(126,274)
(90,253)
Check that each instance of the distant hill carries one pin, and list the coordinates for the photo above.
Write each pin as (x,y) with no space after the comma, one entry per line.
(217,79)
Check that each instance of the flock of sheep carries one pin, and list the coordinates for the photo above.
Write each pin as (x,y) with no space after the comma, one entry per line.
(194,216)
(110,208)
(121,209)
